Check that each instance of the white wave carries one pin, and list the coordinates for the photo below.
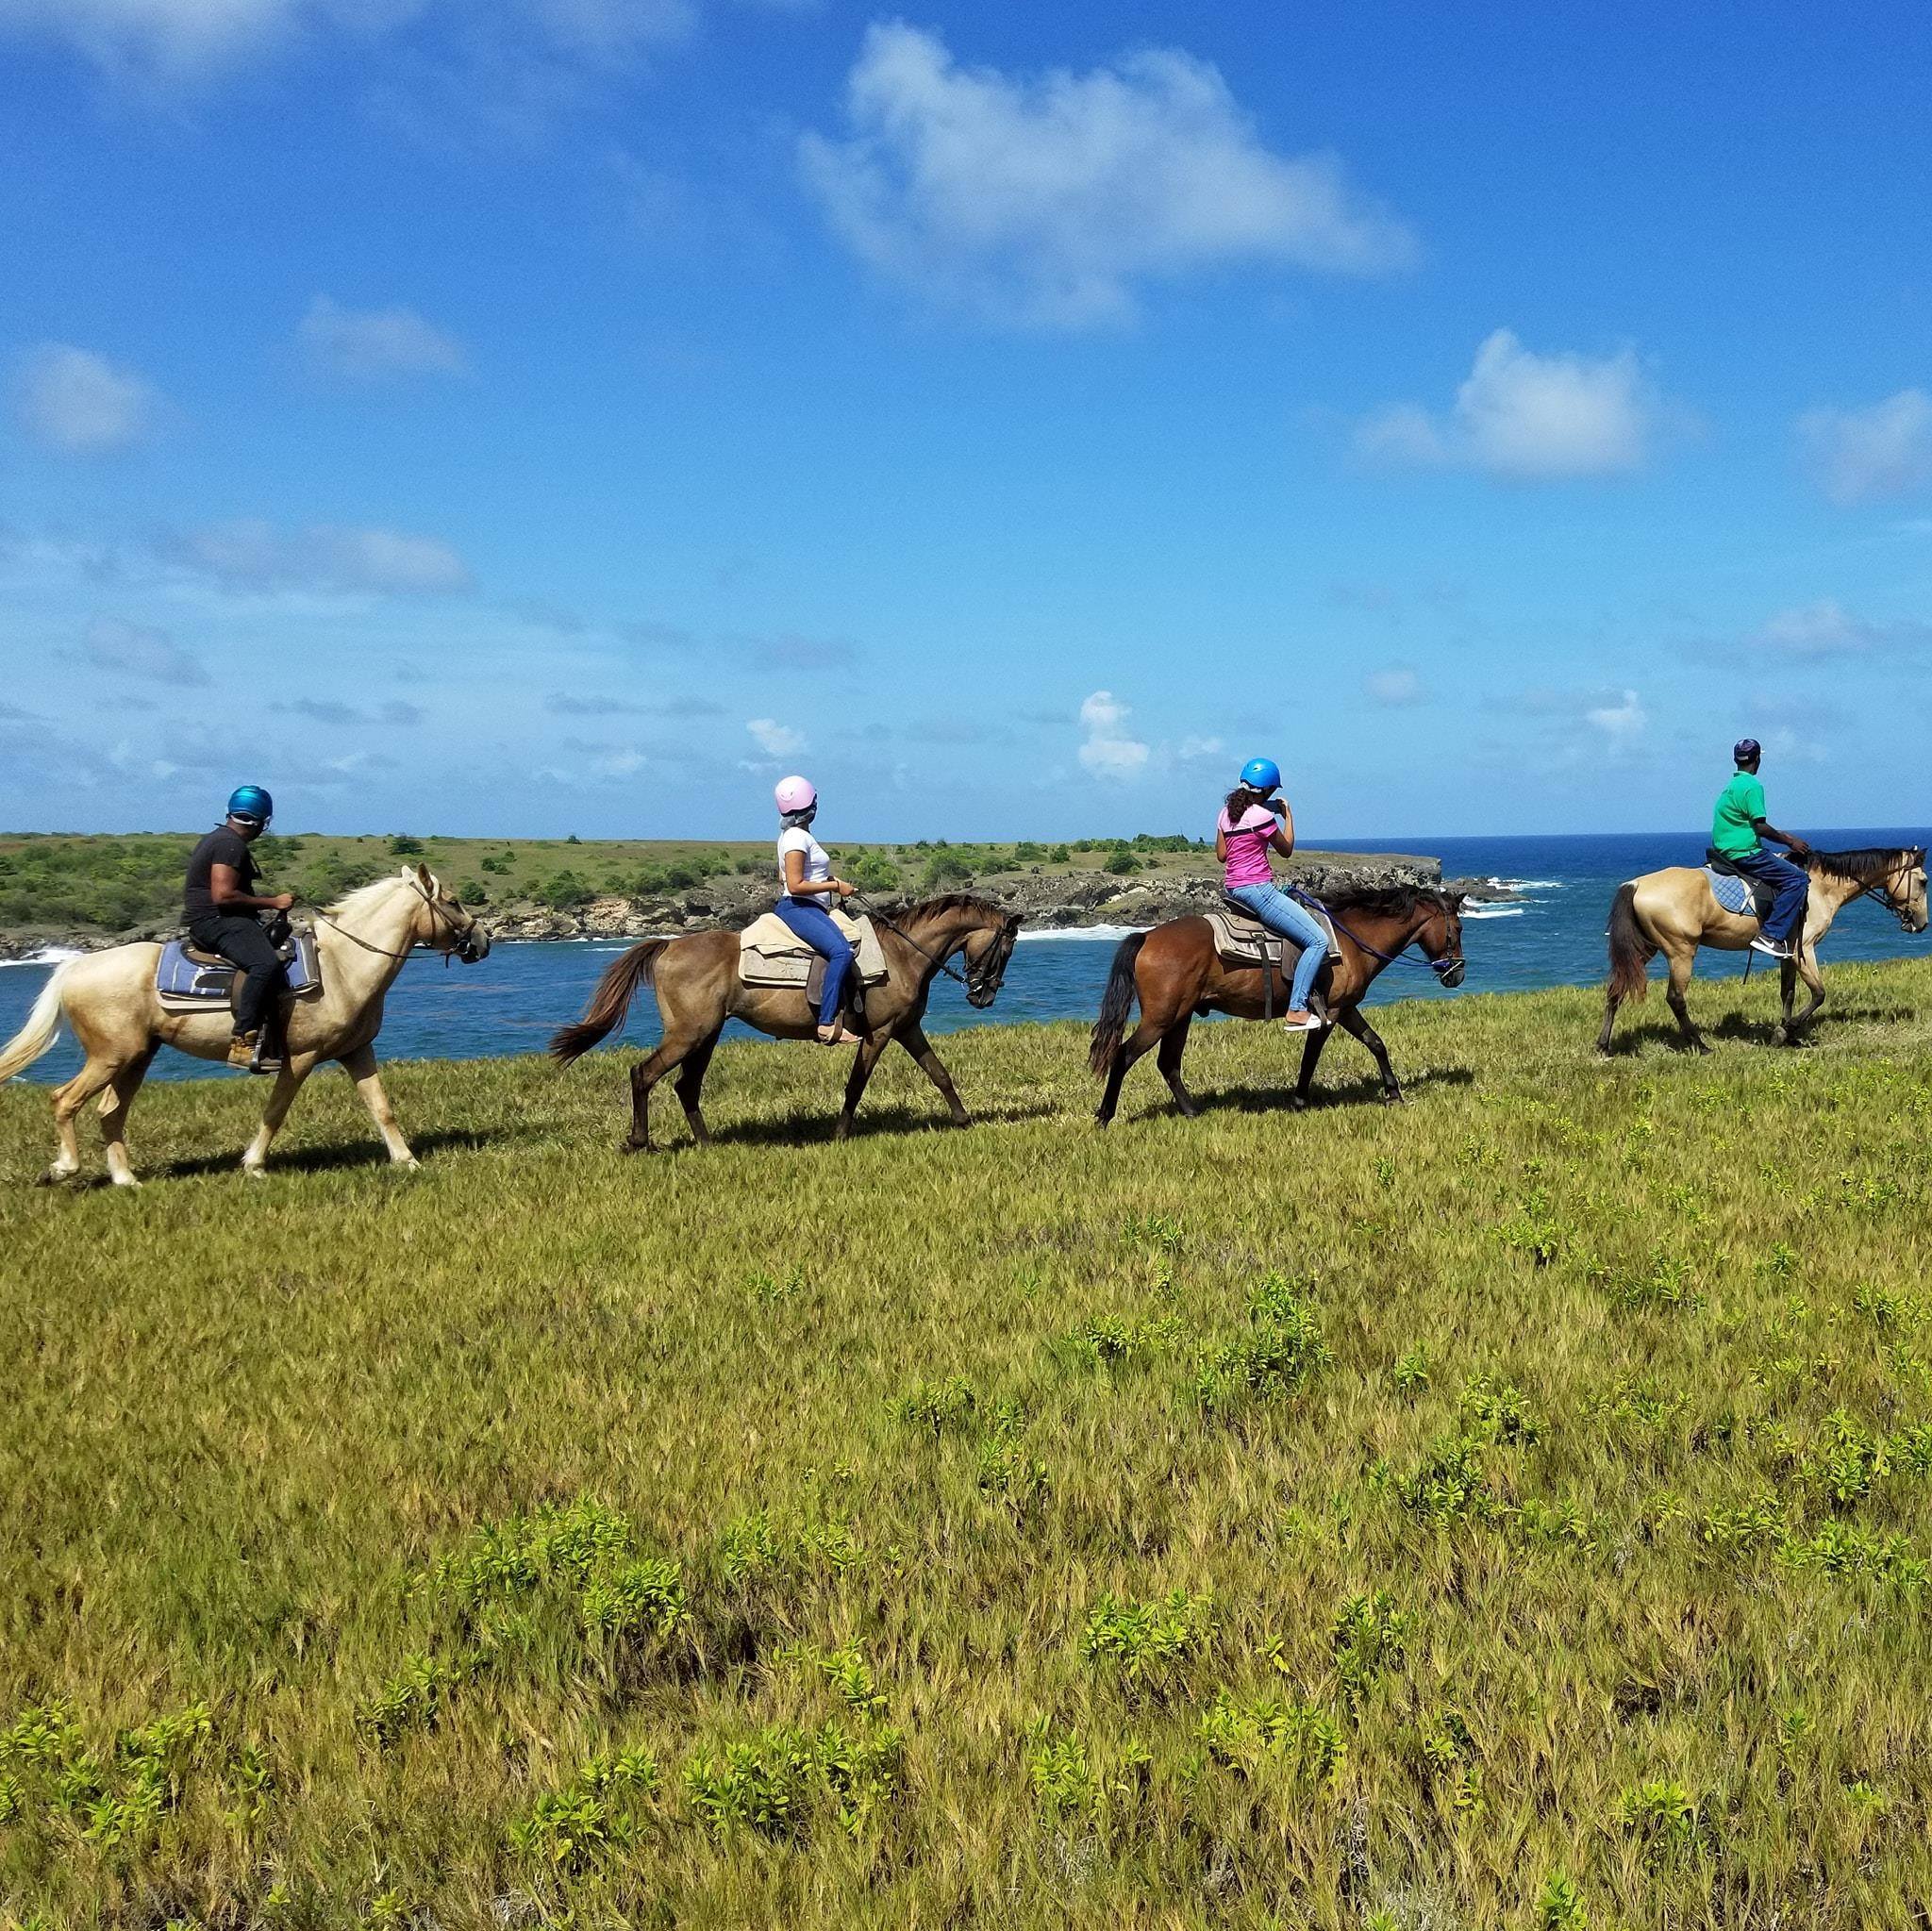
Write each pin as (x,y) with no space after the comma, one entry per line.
(1491,912)
(1527,884)
(50,955)
(1113,934)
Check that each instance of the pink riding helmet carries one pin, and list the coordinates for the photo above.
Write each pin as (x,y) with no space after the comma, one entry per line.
(796,794)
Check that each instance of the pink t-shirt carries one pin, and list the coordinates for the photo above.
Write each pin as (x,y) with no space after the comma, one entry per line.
(1247,846)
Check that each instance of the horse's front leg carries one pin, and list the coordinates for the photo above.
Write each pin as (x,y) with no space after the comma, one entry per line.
(1804,967)
(915,1042)
(1680,980)
(1311,1053)
(288,1084)
(1352,1022)
(870,1047)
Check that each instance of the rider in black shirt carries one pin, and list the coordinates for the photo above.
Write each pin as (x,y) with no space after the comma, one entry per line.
(220,904)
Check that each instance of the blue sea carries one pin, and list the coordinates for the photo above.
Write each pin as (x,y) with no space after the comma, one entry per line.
(1554,937)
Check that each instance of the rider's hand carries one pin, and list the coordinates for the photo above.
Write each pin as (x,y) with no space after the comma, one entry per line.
(842,888)
(282,901)
(1799,849)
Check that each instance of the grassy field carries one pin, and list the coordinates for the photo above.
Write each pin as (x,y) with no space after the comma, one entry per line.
(1511,1510)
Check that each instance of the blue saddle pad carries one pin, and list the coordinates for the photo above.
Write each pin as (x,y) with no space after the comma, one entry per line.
(177,977)
(1738,894)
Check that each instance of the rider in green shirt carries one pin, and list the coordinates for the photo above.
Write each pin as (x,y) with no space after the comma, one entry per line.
(1737,830)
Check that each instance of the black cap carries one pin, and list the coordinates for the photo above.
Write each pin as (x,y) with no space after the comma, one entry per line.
(1745,749)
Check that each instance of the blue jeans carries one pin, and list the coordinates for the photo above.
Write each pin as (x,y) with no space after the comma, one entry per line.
(1792,882)
(813,924)
(1280,913)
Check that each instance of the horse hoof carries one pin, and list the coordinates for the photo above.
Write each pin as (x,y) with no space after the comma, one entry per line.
(634,1146)
(1395,1099)
(256,1173)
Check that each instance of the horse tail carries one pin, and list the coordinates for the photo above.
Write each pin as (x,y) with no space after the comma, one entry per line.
(37,1035)
(1630,951)
(609,1002)
(1116,1003)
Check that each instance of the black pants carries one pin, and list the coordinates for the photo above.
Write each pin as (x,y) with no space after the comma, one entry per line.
(242,942)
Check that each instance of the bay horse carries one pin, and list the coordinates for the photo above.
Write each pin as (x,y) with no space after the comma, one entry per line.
(695,978)
(109,999)
(1674,912)
(1177,974)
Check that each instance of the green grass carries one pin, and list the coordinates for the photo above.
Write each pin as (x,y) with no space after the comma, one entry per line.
(1513,1510)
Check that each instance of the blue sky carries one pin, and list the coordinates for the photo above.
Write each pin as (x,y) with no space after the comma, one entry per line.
(531,416)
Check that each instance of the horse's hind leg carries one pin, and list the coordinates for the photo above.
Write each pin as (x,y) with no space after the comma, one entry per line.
(690,1084)
(1169,1060)
(1680,978)
(68,1101)
(1143,1038)
(1351,1021)
(115,1102)
(1611,1001)
(643,1077)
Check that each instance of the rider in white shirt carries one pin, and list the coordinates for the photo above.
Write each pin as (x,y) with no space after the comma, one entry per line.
(805,868)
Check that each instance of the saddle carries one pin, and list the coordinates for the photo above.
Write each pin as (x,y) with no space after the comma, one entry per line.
(770,953)
(187,979)
(1741,896)
(1241,939)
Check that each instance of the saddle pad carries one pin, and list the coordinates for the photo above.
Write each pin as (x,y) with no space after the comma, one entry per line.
(1244,941)
(1740,896)
(770,953)
(185,984)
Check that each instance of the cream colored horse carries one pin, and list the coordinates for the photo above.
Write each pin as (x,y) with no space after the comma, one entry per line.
(1674,911)
(109,999)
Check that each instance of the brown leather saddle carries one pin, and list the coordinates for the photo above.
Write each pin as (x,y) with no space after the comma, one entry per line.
(1241,939)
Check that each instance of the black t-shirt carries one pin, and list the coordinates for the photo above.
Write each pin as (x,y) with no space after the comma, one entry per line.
(219,847)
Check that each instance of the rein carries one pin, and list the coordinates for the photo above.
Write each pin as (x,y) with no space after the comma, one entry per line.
(878,918)
(1437,966)
(382,952)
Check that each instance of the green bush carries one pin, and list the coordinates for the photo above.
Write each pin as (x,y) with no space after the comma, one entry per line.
(946,868)
(562,890)
(405,846)
(875,871)
(1121,863)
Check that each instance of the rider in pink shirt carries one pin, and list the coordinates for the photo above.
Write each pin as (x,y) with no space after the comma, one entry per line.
(1247,830)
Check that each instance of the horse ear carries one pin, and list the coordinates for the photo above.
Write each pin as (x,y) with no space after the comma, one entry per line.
(426,879)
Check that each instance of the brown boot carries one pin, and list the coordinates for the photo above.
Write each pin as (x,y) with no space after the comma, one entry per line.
(242,1050)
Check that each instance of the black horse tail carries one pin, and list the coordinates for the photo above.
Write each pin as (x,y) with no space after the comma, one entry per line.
(1630,951)
(1116,1003)
(609,1002)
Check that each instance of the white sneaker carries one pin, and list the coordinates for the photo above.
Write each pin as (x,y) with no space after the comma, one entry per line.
(1771,949)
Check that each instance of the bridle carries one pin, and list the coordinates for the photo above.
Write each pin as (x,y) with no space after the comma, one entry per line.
(1891,899)
(981,981)
(456,936)
(1449,962)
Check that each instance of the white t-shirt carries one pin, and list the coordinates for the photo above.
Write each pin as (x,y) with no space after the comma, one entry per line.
(818,861)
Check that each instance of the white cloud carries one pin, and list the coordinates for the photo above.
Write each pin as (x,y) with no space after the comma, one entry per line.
(774,738)
(1107,751)
(1194,748)
(1526,416)
(253,553)
(137,650)
(1621,723)
(1045,198)
(1882,450)
(80,403)
(1394,685)
(1828,629)
(367,344)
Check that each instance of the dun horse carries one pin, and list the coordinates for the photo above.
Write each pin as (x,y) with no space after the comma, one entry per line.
(1674,911)
(109,999)
(698,989)
(1177,974)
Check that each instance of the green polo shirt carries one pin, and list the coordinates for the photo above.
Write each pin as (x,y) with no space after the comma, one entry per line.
(1734,826)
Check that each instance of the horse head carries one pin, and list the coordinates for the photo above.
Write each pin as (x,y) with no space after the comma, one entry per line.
(443,922)
(986,955)
(1441,936)
(1904,892)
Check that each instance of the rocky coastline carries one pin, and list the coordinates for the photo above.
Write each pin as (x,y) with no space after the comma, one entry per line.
(1050,901)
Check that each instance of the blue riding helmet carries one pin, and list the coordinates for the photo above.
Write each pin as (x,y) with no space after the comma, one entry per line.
(1745,749)
(251,800)
(1262,774)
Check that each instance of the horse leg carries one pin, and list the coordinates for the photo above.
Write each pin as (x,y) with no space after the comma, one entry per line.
(1804,967)
(1169,1060)
(1143,1038)
(643,1077)
(114,1104)
(915,1042)
(68,1101)
(1311,1053)
(869,1049)
(1352,1022)
(690,1083)
(289,1084)
(1681,961)
(1612,999)
(361,1067)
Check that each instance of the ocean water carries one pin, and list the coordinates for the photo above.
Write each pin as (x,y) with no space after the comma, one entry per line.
(516,998)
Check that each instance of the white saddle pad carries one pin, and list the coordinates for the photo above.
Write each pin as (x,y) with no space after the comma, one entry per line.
(770,953)
(1245,941)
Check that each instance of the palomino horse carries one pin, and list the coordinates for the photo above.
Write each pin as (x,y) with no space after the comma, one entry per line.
(109,999)
(1177,974)
(698,989)
(1674,911)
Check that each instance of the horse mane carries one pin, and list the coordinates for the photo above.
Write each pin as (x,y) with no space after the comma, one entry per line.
(365,897)
(1390,900)
(955,902)
(1863,864)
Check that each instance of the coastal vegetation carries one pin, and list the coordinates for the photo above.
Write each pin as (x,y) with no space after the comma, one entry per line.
(1513,1510)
